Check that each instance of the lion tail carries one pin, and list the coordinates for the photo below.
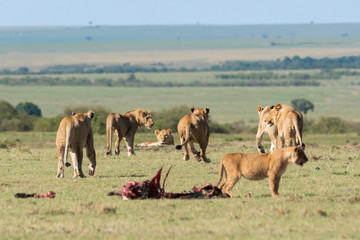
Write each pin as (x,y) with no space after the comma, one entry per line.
(178,147)
(109,133)
(299,119)
(221,173)
(67,144)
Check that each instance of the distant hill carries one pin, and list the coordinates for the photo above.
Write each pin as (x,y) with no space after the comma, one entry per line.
(183,32)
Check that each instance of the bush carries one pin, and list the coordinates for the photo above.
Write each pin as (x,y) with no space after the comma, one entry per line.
(169,118)
(47,124)
(29,108)
(7,111)
(329,125)
(22,122)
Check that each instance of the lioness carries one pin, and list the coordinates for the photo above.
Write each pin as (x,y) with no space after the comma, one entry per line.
(194,128)
(289,124)
(254,166)
(125,126)
(164,137)
(264,128)
(75,133)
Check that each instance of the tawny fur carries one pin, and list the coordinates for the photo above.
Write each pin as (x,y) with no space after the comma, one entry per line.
(264,128)
(288,123)
(125,126)
(257,167)
(164,137)
(194,128)
(74,134)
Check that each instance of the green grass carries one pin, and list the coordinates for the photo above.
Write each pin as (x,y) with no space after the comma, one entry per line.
(162,45)
(227,104)
(320,200)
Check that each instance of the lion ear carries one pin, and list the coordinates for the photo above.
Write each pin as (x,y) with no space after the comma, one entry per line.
(278,107)
(157,131)
(272,106)
(259,108)
(90,114)
(73,113)
(207,109)
(192,109)
(169,131)
(298,149)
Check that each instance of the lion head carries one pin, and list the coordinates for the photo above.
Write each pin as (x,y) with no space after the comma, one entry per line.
(146,119)
(299,157)
(201,112)
(164,136)
(263,112)
(270,118)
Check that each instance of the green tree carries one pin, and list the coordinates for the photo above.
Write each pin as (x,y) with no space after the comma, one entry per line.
(302,105)
(7,111)
(29,108)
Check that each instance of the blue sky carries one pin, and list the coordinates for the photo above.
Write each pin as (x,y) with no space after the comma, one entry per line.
(169,12)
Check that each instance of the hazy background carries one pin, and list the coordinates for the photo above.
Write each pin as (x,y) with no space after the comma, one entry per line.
(165,12)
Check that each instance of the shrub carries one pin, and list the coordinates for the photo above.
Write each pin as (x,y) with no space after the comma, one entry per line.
(7,111)
(329,125)
(29,108)
(47,124)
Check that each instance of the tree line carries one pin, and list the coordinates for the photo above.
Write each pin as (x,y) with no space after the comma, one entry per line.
(296,62)
(24,119)
(225,80)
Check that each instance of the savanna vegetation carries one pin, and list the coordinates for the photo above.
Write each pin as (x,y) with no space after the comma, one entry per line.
(45,78)
(319,200)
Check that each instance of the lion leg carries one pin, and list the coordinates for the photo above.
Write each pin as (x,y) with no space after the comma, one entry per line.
(60,172)
(91,155)
(288,139)
(195,153)
(76,157)
(186,152)
(259,145)
(203,145)
(280,141)
(272,147)
(231,181)
(130,146)
(117,143)
(274,182)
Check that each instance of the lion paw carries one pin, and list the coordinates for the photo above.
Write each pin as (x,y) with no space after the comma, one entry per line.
(208,160)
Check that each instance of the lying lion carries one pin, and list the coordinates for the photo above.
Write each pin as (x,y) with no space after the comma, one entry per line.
(255,166)
(164,137)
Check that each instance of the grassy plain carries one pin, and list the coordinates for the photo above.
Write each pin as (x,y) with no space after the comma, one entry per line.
(176,53)
(320,200)
(227,104)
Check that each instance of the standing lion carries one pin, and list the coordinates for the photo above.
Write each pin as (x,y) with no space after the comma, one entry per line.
(263,127)
(194,128)
(288,123)
(125,126)
(74,134)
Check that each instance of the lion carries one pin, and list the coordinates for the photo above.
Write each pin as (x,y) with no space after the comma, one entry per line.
(125,126)
(194,128)
(74,134)
(164,137)
(289,124)
(255,166)
(264,128)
